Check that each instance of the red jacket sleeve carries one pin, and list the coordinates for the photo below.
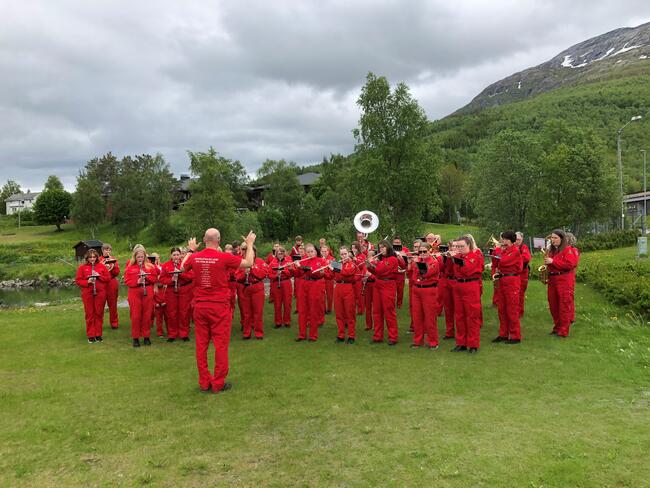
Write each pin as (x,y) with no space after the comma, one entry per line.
(565,260)
(259,269)
(525,254)
(81,280)
(104,275)
(384,268)
(131,276)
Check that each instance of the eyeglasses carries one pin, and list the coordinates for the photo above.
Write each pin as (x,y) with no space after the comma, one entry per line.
(423,252)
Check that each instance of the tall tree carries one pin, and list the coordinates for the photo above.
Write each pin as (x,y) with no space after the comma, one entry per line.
(452,181)
(8,189)
(396,169)
(284,193)
(88,205)
(53,183)
(52,207)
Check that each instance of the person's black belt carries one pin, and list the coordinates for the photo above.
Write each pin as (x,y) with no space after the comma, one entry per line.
(431,285)
(466,280)
(308,278)
(509,274)
(557,273)
(386,279)
(248,284)
(341,282)
(451,278)
(185,284)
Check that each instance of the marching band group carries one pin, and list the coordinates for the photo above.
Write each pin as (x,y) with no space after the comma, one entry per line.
(367,280)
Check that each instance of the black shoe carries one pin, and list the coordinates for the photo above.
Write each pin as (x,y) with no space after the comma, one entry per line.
(448,338)
(392,343)
(186,339)
(350,340)
(473,350)
(171,339)
(513,341)
(246,338)
(340,339)
(225,387)
(287,325)
(300,339)
(91,340)
(328,312)
(433,348)
(147,341)
(459,348)
(415,346)
(136,342)
(500,339)
(98,339)
(277,326)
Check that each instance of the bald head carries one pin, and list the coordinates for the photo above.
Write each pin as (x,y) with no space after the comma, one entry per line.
(212,238)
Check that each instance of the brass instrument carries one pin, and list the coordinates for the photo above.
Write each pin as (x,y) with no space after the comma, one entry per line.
(543,269)
(366,222)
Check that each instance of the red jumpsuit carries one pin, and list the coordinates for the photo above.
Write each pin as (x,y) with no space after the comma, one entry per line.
(280,289)
(93,303)
(446,292)
(112,291)
(358,285)
(250,286)
(140,305)
(329,286)
(311,303)
(523,277)
(385,290)
(400,278)
(367,292)
(495,283)
(160,309)
(178,299)
(424,308)
(509,269)
(560,288)
(573,288)
(468,270)
(344,302)
(212,316)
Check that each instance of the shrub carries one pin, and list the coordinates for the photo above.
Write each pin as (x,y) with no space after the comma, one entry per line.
(608,240)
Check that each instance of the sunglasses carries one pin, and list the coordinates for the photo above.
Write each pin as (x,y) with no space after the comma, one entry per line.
(423,252)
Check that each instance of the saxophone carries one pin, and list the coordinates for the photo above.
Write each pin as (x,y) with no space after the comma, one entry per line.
(543,269)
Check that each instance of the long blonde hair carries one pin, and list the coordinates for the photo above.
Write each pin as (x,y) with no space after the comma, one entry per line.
(140,248)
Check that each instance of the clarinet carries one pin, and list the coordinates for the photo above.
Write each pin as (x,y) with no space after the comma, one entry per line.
(279,274)
(175,278)
(144,283)
(92,275)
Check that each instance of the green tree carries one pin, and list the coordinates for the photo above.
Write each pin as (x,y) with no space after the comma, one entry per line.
(452,181)
(104,169)
(504,181)
(88,205)
(395,171)
(284,193)
(212,203)
(53,183)
(8,189)
(52,207)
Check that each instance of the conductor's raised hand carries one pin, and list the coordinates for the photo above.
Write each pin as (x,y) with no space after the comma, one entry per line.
(250,238)
(192,244)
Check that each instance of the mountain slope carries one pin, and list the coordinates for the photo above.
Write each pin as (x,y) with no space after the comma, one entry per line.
(619,53)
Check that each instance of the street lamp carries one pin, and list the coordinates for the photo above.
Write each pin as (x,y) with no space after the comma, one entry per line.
(645,196)
(620,166)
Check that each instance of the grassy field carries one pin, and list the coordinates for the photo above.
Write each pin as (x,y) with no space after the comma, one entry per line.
(546,413)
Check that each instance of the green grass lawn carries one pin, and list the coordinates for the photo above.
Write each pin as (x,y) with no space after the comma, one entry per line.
(546,413)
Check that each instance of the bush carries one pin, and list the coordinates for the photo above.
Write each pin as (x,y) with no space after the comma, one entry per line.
(27,217)
(273,223)
(608,240)
(245,222)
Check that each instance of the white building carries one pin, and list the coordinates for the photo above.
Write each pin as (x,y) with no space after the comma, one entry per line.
(21,201)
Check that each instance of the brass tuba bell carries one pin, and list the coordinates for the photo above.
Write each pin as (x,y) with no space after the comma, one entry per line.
(366,222)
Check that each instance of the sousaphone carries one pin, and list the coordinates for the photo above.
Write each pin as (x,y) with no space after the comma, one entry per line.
(366,222)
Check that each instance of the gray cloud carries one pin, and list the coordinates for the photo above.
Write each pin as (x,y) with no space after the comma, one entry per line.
(254,79)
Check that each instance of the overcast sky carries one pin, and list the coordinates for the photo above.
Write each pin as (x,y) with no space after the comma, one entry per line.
(255,79)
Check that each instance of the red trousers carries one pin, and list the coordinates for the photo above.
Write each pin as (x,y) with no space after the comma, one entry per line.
(523,286)
(160,317)
(178,311)
(467,312)
(400,290)
(509,308)
(384,292)
(345,309)
(424,310)
(296,291)
(311,307)
(251,306)
(560,302)
(495,293)
(212,323)
(281,301)
(358,297)
(141,311)
(368,300)
(93,311)
(446,297)
(233,296)
(112,290)
(329,294)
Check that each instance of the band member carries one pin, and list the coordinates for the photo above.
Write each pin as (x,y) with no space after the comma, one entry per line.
(424,272)
(311,304)
(400,278)
(178,296)
(93,278)
(160,317)
(571,241)
(297,277)
(212,316)
(360,258)
(268,259)
(561,262)
(495,255)
(326,253)
(523,277)
(250,286)
(295,250)
(468,268)
(446,291)
(344,302)
(364,244)
(113,286)
(140,276)
(479,255)
(507,272)
(383,267)
(367,281)
(280,287)
(235,250)
(415,252)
